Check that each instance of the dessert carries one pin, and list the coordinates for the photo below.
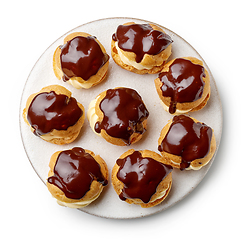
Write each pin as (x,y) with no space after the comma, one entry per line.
(54,115)
(140,48)
(119,116)
(186,143)
(140,177)
(76,177)
(82,61)
(183,85)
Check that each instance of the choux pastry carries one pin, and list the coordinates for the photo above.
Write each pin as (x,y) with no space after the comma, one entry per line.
(186,143)
(183,85)
(76,177)
(140,177)
(82,61)
(54,115)
(119,116)
(141,48)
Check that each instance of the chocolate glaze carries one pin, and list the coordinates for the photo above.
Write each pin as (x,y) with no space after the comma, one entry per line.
(74,171)
(183,82)
(49,111)
(124,112)
(141,39)
(81,57)
(140,176)
(187,139)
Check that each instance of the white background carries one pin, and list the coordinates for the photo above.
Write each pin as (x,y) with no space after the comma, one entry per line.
(28,211)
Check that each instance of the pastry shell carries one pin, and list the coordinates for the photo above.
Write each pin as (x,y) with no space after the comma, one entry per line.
(175,161)
(57,136)
(154,63)
(95,188)
(79,82)
(163,187)
(186,106)
(135,137)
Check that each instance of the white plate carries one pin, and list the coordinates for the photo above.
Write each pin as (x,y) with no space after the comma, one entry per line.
(108,204)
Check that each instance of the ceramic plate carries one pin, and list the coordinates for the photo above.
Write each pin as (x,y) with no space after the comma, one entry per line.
(108,204)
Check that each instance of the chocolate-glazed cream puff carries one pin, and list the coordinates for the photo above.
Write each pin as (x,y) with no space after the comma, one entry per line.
(76,177)
(81,61)
(140,177)
(53,115)
(119,116)
(183,85)
(186,143)
(140,48)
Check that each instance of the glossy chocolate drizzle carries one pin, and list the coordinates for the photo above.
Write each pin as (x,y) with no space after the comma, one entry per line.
(49,111)
(81,57)
(187,139)
(141,39)
(182,83)
(141,176)
(74,171)
(124,112)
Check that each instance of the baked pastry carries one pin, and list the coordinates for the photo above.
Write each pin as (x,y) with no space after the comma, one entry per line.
(82,61)
(119,116)
(183,85)
(76,177)
(141,178)
(186,143)
(140,48)
(54,115)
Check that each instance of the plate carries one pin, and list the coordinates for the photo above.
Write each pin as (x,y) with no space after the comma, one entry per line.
(109,205)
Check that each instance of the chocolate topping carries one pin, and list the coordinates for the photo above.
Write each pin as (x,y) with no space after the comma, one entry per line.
(81,57)
(49,111)
(74,171)
(141,39)
(182,83)
(187,139)
(141,176)
(124,112)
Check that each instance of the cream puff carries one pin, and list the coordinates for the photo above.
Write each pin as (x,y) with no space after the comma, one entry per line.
(53,115)
(140,177)
(186,143)
(183,85)
(76,177)
(82,60)
(119,116)
(140,48)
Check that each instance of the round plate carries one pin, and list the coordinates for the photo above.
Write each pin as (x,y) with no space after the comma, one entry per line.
(108,204)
